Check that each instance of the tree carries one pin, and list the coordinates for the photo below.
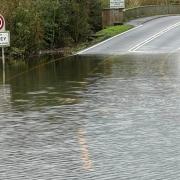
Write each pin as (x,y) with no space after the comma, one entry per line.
(95,18)
(78,26)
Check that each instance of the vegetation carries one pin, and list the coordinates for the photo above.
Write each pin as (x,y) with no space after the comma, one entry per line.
(112,31)
(48,24)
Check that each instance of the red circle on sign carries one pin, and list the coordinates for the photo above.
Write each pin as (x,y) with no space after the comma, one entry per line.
(1,22)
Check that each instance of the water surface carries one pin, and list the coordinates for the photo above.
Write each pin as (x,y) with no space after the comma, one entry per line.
(91,118)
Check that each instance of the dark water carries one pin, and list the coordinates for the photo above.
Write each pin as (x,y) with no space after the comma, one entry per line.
(99,118)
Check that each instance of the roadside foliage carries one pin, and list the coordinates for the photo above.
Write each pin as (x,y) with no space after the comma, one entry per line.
(48,24)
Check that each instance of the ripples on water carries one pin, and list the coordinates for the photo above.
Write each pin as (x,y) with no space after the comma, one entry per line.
(91,118)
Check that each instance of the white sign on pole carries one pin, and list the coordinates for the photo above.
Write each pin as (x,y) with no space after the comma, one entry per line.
(117,4)
(4,39)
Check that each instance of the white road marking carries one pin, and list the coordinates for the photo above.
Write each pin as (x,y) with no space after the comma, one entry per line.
(133,49)
(78,53)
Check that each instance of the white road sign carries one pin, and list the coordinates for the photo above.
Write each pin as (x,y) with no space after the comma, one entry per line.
(117,4)
(4,39)
(4,42)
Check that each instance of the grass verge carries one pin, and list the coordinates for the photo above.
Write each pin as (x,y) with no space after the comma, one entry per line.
(103,35)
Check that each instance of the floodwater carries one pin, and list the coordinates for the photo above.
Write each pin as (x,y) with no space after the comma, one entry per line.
(91,118)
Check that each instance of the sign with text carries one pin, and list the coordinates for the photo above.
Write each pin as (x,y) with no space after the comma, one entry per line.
(117,4)
(4,39)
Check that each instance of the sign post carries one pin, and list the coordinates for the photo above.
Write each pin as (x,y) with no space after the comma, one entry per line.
(3,57)
(4,41)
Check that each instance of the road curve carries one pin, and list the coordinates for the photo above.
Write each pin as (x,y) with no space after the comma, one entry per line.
(160,35)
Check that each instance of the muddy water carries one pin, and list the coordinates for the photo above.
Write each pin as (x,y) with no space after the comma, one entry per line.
(91,118)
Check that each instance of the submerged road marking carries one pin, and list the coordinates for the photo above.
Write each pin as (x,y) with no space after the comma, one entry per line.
(83,51)
(133,49)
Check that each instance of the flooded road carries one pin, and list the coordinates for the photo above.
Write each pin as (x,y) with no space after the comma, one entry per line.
(93,118)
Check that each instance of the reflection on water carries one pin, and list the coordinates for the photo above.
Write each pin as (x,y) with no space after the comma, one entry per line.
(62,81)
(91,118)
(84,148)
(5,98)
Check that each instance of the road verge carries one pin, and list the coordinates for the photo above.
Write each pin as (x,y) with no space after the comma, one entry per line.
(102,35)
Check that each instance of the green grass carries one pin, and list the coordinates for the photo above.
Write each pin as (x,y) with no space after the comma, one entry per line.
(112,31)
(103,35)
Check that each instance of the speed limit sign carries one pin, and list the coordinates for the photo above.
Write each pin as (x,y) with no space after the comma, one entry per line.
(2,23)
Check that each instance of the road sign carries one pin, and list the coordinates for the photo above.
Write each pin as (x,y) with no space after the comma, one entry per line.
(4,39)
(2,23)
(117,4)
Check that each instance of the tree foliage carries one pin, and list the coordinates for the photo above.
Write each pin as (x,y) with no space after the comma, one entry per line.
(45,24)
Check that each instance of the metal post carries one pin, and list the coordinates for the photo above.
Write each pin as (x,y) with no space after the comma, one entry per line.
(3,64)
(3,57)
(4,77)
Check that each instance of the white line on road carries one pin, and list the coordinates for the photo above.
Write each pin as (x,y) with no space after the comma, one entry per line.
(133,49)
(78,53)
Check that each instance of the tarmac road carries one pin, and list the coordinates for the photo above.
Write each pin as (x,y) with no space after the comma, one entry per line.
(160,35)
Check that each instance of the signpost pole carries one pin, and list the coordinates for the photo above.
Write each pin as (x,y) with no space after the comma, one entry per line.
(3,58)
(3,64)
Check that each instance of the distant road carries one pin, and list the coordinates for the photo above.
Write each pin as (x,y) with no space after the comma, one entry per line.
(161,35)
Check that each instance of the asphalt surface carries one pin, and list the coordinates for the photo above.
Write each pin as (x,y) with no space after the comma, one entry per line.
(159,35)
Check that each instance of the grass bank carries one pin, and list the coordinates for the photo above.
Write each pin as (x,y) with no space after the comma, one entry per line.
(102,35)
